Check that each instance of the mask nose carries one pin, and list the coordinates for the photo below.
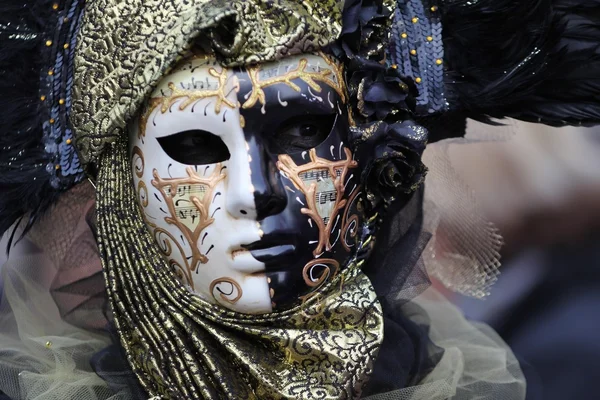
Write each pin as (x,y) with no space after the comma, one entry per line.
(240,201)
(256,190)
(269,192)
(240,191)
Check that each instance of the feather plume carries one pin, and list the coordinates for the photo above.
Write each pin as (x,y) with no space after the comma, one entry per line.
(534,60)
(25,190)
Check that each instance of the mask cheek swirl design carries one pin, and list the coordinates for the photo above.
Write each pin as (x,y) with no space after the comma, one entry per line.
(188,201)
(322,183)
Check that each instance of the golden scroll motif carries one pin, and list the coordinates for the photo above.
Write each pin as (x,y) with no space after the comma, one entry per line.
(315,278)
(212,89)
(226,289)
(322,182)
(317,273)
(350,222)
(165,242)
(188,200)
(139,165)
(301,72)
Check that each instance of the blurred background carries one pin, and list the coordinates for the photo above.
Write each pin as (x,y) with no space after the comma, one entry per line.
(540,186)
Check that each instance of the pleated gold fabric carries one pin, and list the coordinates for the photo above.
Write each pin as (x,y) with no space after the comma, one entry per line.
(182,347)
(125,47)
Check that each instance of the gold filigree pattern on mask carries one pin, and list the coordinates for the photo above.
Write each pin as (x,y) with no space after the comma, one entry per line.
(137,158)
(142,193)
(191,96)
(188,200)
(350,222)
(311,269)
(139,165)
(338,71)
(300,72)
(313,179)
(228,290)
(166,241)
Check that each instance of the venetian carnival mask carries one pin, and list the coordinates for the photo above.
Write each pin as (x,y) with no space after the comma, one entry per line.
(246,180)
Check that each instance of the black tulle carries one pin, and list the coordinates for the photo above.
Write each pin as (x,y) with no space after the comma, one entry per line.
(535,60)
(398,275)
(444,126)
(111,365)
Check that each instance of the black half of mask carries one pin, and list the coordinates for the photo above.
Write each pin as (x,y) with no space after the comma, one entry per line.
(307,186)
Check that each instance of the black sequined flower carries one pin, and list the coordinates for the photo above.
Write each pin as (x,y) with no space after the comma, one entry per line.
(391,156)
(380,97)
(381,91)
(364,22)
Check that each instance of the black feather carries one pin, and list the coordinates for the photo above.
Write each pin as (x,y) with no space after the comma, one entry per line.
(535,60)
(24,183)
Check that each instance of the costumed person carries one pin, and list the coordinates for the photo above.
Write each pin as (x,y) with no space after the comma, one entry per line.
(251,174)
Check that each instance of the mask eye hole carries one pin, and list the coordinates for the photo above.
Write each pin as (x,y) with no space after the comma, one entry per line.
(195,147)
(302,132)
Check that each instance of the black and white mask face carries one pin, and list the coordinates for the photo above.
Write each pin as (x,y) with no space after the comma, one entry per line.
(245,179)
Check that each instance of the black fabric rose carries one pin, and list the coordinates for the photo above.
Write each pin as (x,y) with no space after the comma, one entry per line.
(381,92)
(364,24)
(380,97)
(391,158)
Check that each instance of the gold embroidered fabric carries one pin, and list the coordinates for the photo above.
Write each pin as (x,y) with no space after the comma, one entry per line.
(182,347)
(125,47)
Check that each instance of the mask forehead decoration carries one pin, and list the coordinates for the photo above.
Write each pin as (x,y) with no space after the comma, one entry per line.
(246,181)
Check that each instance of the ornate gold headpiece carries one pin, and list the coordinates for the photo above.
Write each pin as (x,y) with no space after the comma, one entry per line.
(113,79)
